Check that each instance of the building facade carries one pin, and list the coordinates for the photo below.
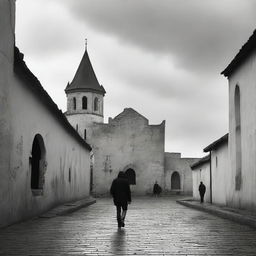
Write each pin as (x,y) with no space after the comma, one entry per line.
(201,172)
(232,168)
(178,175)
(126,143)
(240,72)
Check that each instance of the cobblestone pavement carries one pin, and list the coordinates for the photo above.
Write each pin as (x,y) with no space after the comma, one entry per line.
(154,226)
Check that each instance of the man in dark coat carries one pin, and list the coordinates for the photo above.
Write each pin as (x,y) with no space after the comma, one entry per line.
(202,190)
(157,190)
(121,193)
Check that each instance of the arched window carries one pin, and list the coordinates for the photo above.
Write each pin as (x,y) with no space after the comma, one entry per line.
(77,127)
(131,176)
(38,163)
(175,181)
(96,104)
(85,134)
(74,103)
(84,102)
(238,139)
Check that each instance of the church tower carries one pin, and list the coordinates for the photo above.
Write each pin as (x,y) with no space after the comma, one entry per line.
(84,98)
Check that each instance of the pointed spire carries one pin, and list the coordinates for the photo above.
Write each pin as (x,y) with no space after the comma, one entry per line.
(85,78)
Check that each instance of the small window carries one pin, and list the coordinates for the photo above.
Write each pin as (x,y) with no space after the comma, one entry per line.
(96,104)
(85,134)
(74,103)
(77,127)
(84,102)
(216,161)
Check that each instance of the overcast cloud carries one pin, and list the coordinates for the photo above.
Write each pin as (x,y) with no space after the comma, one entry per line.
(162,58)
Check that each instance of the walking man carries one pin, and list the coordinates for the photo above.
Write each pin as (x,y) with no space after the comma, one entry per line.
(202,190)
(121,193)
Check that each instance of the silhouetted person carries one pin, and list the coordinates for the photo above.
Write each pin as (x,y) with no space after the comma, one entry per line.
(157,189)
(202,190)
(121,193)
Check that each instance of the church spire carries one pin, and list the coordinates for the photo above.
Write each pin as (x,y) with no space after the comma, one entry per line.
(85,78)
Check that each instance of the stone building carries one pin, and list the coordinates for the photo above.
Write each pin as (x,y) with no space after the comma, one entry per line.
(43,161)
(178,177)
(126,143)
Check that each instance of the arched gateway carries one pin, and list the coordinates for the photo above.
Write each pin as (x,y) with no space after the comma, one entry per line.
(175,181)
(131,176)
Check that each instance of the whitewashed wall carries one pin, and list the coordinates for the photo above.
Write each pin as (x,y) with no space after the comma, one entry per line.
(23,115)
(220,173)
(244,77)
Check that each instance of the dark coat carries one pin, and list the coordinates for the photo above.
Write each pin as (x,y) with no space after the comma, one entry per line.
(157,189)
(120,191)
(202,189)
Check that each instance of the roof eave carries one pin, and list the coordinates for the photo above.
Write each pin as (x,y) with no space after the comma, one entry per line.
(217,143)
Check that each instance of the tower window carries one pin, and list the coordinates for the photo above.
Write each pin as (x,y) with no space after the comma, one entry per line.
(96,104)
(74,103)
(84,102)
(85,134)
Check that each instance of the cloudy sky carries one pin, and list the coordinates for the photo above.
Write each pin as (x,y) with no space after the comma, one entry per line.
(161,57)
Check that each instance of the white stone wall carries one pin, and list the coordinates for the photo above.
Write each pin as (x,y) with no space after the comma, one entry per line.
(23,115)
(128,141)
(220,172)
(244,77)
(174,163)
(201,173)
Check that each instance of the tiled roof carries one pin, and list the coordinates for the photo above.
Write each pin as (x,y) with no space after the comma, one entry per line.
(246,49)
(28,79)
(85,78)
(217,143)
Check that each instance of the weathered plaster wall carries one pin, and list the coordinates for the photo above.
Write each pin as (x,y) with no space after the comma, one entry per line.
(220,171)
(201,173)
(174,163)
(28,118)
(244,77)
(23,115)
(128,141)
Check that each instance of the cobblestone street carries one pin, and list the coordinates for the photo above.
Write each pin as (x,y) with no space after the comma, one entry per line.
(154,226)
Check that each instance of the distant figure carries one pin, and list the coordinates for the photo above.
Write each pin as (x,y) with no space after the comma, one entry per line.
(157,190)
(121,193)
(202,190)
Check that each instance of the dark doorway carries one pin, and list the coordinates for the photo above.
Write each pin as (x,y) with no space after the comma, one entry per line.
(175,181)
(38,154)
(131,176)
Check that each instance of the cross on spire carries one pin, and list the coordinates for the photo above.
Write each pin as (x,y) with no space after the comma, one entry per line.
(86,44)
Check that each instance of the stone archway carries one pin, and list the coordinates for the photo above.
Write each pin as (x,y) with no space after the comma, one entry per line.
(131,176)
(175,181)
(38,163)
